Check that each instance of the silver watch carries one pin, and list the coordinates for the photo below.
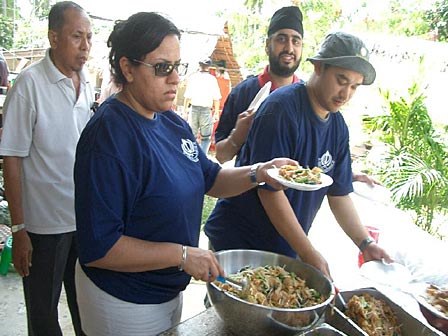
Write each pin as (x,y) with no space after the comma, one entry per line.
(17,227)
(253,173)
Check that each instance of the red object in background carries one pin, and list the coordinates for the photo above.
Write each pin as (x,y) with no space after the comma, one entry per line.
(375,234)
(215,124)
(225,86)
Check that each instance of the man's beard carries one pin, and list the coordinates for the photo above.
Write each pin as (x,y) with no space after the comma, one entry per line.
(282,71)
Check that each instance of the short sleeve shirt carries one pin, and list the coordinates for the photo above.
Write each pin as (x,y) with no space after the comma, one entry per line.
(42,122)
(285,126)
(202,89)
(143,178)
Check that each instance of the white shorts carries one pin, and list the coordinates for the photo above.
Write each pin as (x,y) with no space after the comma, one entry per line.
(104,314)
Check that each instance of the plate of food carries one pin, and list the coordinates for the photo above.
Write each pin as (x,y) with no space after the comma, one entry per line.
(433,302)
(299,178)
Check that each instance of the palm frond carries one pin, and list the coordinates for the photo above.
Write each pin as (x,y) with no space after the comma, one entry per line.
(409,176)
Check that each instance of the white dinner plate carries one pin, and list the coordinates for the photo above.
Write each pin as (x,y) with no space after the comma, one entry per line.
(393,275)
(260,97)
(326,181)
(376,193)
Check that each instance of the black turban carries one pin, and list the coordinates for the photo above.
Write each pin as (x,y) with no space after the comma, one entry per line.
(286,18)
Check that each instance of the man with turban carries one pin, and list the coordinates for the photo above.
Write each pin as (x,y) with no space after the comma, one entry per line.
(284,50)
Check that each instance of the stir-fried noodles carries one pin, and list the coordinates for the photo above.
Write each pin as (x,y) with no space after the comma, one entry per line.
(273,286)
(438,298)
(372,315)
(298,174)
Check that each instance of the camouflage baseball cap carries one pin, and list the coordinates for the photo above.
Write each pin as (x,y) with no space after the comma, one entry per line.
(346,51)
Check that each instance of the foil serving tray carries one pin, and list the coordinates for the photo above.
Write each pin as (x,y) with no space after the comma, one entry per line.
(324,330)
(410,326)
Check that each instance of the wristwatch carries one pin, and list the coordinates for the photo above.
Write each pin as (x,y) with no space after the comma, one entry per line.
(366,242)
(17,227)
(253,173)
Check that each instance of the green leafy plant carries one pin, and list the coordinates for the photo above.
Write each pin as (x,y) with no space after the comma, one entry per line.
(209,204)
(414,166)
(438,20)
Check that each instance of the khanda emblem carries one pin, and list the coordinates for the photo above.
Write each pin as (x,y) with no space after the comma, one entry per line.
(190,149)
(326,162)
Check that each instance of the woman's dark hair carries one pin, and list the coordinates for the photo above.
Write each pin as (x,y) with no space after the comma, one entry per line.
(56,18)
(135,37)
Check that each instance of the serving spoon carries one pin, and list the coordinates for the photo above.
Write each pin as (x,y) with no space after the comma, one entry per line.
(342,303)
(243,287)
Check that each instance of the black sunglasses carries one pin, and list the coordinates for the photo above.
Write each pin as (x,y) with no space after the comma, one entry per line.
(165,69)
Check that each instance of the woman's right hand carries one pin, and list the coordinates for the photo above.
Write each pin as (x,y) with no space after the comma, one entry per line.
(202,264)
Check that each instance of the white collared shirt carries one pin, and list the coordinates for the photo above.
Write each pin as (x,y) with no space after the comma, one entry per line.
(42,122)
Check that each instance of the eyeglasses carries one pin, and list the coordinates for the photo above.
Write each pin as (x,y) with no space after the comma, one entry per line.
(165,69)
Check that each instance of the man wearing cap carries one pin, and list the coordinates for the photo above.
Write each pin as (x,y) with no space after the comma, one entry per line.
(301,122)
(203,93)
(284,49)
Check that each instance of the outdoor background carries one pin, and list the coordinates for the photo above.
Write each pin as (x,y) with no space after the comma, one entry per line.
(398,125)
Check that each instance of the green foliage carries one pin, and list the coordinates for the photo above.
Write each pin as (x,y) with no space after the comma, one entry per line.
(209,204)
(415,165)
(31,34)
(248,30)
(6,32)
(41,8)
(9,15)
(8,9)
(254,5)
(437,18)
(409,18)
(395,17)
(319,18)
(405,20)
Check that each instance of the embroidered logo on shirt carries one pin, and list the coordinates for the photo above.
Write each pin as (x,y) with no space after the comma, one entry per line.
(190,149)
(326,162)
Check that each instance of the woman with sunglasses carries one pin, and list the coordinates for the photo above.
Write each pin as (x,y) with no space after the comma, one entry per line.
(140,180)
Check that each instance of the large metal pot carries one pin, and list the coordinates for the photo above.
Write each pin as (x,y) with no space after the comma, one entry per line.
(244,318)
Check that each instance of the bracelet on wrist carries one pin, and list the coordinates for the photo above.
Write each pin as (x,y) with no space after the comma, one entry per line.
(184,258)
(232,142)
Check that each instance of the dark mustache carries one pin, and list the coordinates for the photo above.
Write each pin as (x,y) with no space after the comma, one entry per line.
(287,53)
